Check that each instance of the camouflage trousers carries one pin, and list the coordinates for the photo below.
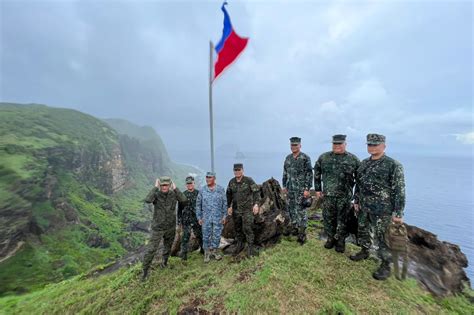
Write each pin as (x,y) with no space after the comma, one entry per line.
(187,228)
(371,230)
(243,225)
(211,234)
(335,211)
(156,236)
(298,214)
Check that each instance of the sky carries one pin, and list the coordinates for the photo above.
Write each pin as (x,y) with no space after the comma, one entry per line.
(311,69)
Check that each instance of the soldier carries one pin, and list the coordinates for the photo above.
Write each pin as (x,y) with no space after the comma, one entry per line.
(163,225)
(336,171)
(297,178)
(187,218)
(243,197)
(211,208)
(379,199)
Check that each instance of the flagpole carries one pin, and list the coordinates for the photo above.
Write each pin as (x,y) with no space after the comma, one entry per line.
(211,121)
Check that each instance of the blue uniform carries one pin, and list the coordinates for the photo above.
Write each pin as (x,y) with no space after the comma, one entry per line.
(211,208)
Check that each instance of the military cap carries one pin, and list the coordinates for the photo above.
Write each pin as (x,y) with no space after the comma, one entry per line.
(211,174)
(295,140)
(373,138)
(165,180)
(338,139)
(238,166)
(189,180)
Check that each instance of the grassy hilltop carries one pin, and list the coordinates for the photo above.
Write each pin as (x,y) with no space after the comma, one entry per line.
(287,278)
(71,187)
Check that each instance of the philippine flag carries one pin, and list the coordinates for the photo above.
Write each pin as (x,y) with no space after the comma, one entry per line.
(229,47)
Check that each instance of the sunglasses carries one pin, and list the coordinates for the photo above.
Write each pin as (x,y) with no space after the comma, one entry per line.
(294,144)
(372,145)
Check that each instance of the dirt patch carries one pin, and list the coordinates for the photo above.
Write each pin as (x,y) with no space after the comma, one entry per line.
(193,307)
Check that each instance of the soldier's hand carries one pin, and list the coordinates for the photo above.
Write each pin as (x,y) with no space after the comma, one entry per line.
(319,194)
(229,211)
(284,190)
(157,183)
(255,209)
(356,207)
(200,222)
(223,220)
(173,185)
(306,193)
(397,220)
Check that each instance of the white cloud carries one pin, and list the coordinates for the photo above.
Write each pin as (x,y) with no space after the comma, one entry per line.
(465,138)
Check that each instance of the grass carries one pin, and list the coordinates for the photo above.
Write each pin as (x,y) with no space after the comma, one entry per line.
(287,278)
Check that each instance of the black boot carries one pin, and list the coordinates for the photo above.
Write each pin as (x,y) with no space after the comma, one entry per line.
(341,245)
(201,251)
(383,272)
(302,238)
(330,243)
(361,255)
(184,255)
(164,262)
(145,274)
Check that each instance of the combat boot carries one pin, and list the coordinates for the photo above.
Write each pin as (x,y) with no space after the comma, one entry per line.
(145,274)
(164,262)
(216,255)
(302,238)
(184,256)
(329,243)
(207,256)
(341,245)
(201,251)
(361,255)
(383,272)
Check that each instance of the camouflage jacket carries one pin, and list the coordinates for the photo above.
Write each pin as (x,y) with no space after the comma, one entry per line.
(211,205)
(164,214)
(297,172)
(187,212)
(334,174)
(380,186)
(242,195)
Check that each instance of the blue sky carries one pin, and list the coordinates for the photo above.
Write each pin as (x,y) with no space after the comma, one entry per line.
(312,69)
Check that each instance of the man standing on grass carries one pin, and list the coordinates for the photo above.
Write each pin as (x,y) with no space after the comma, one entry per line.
(379,200)
(164,196)
(211,209)
(243,197)
(334,180)
(187,218)
(297,181)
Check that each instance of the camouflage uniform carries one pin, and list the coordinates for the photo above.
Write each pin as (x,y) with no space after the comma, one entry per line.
(297,177)
(211,207)
(242,196)
(334,176)
(187,218)
(164,221)
(380,192)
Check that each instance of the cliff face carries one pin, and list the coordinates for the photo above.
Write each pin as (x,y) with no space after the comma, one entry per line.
(70,186)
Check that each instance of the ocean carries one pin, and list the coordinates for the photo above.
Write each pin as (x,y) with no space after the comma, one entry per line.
(439,189)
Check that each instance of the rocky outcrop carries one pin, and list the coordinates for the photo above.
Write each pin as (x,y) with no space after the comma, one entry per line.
(437,265)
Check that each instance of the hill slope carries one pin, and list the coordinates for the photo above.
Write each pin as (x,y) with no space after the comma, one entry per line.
(287,278)
(70,192)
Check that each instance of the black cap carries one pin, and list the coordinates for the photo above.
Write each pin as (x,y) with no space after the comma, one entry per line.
(295,140)
(338,139)
(238,166)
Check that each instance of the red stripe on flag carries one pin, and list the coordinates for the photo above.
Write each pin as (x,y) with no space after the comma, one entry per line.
(233,47)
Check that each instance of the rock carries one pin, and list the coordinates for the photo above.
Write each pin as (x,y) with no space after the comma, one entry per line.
(140,226)
(272,220)
(70,214)
(437,265)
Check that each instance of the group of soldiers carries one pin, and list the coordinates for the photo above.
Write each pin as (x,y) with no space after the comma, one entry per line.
(374,188)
